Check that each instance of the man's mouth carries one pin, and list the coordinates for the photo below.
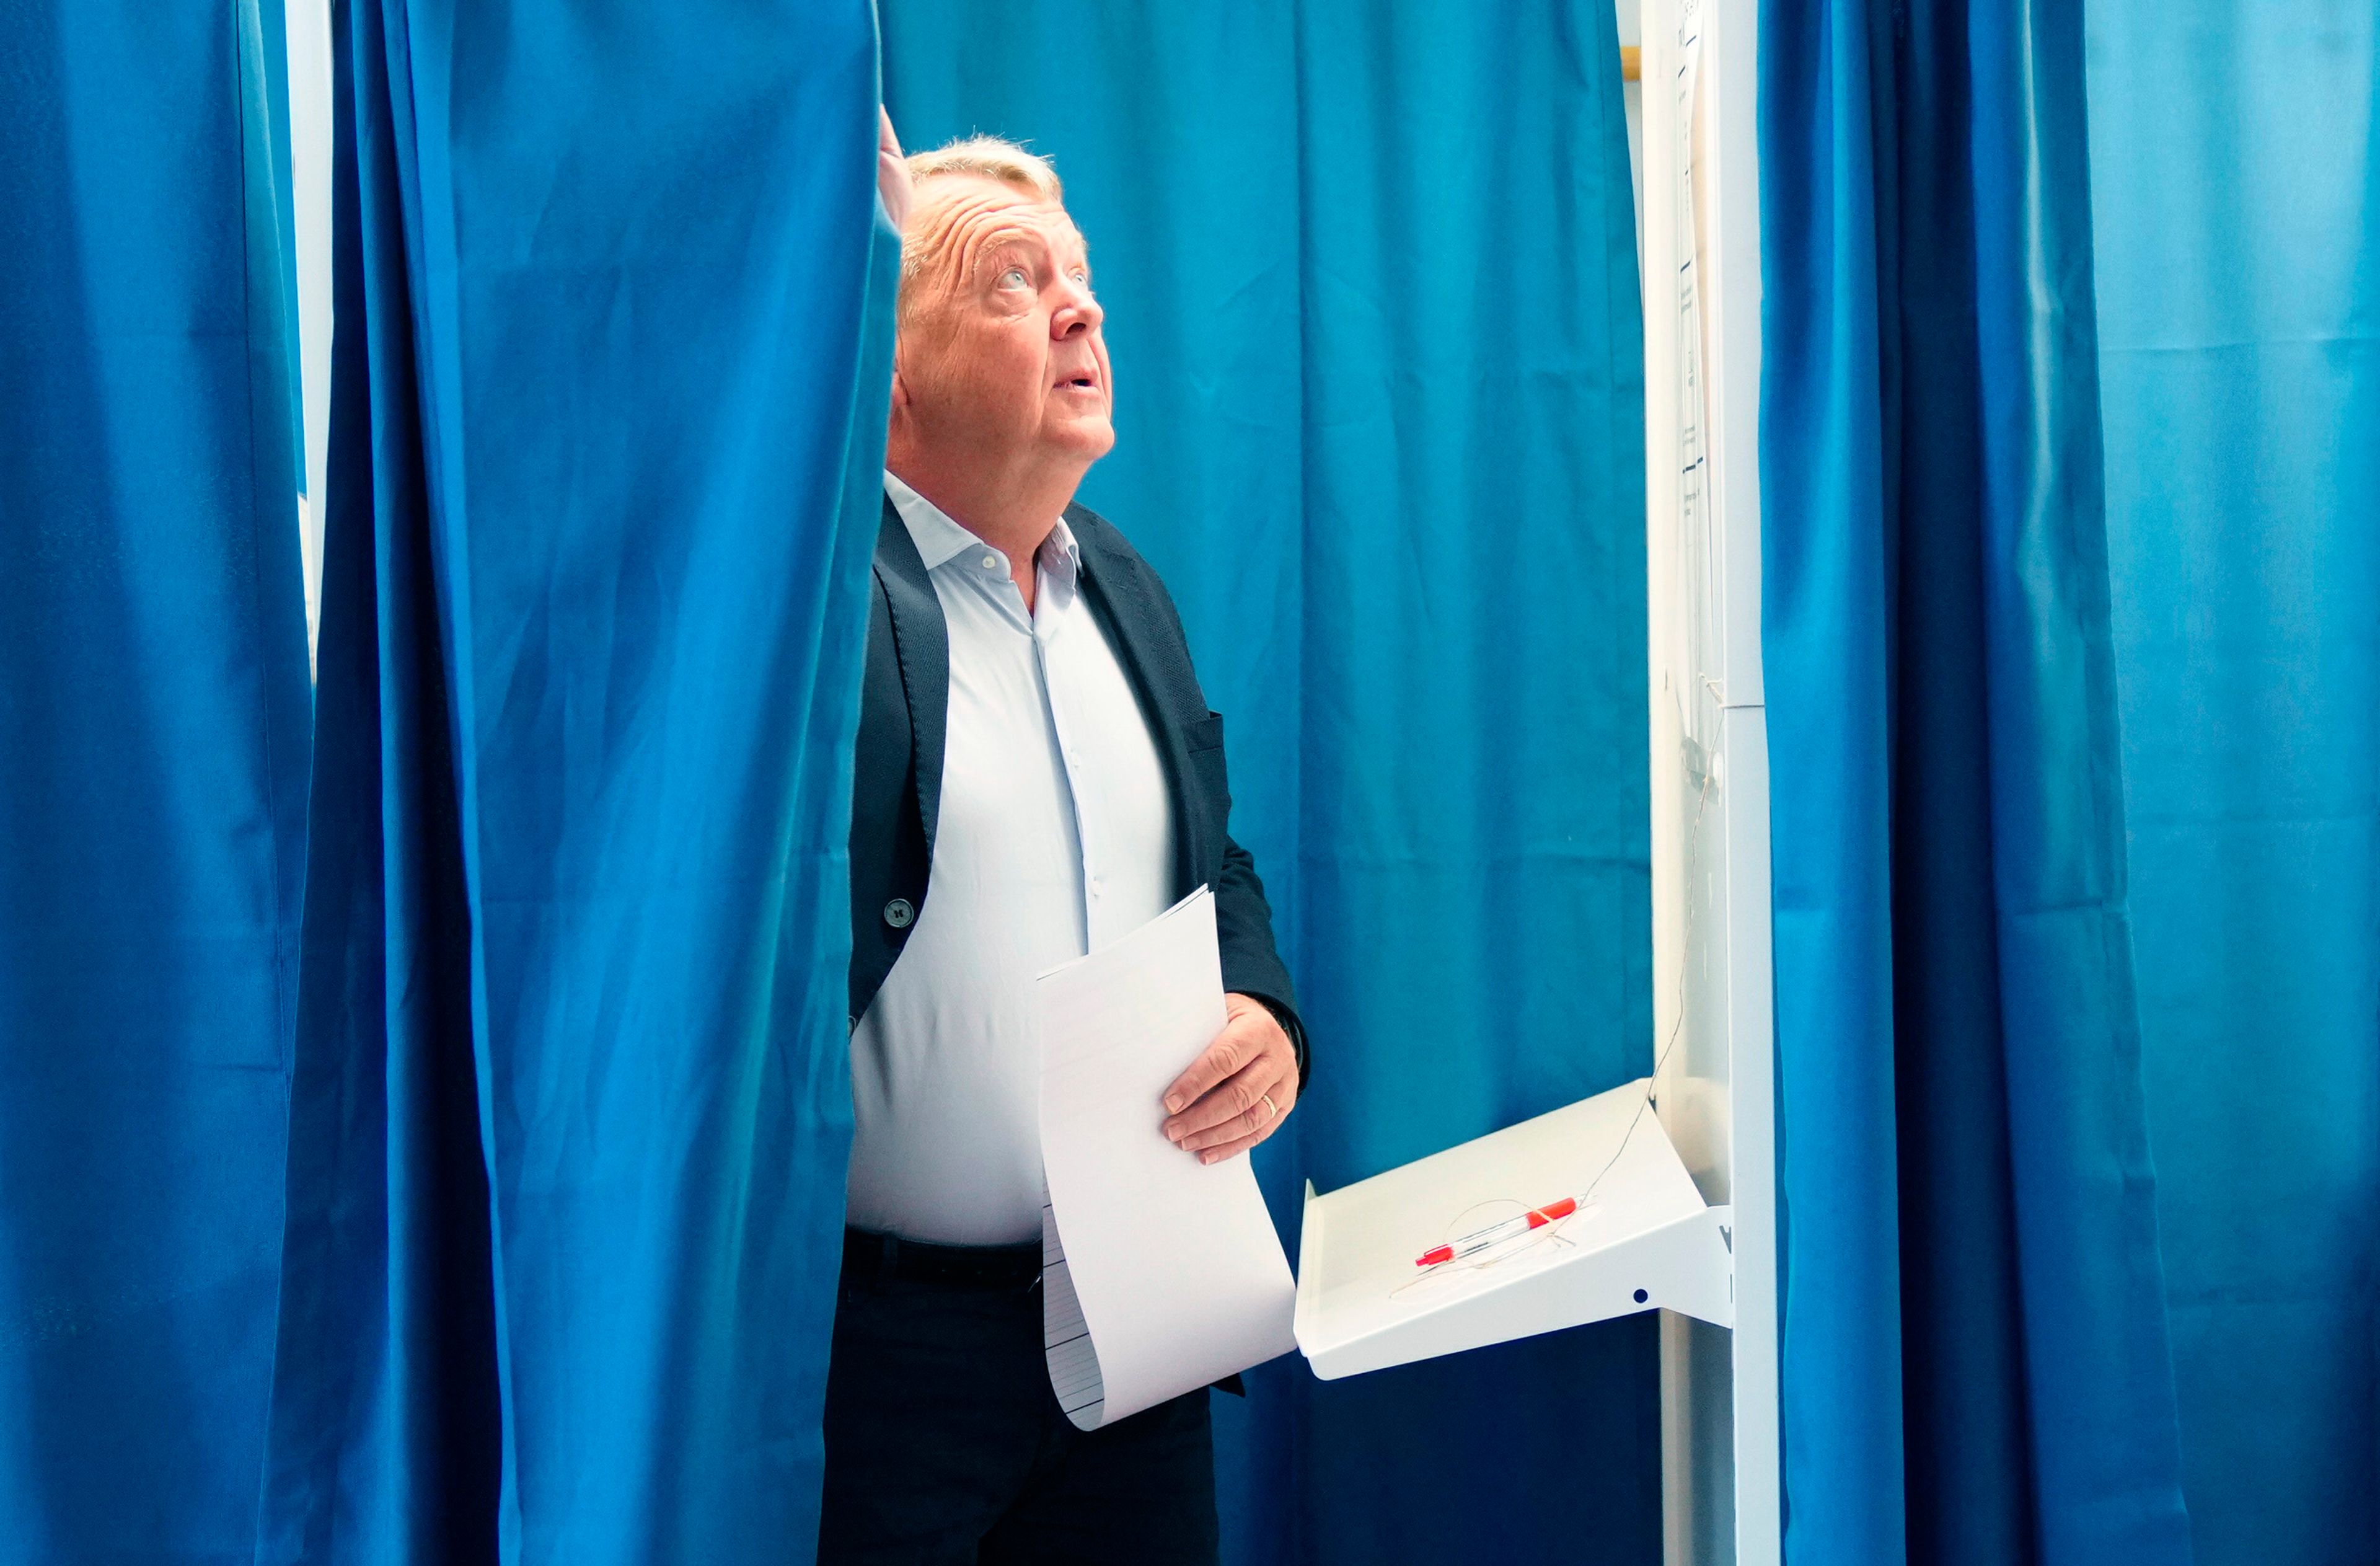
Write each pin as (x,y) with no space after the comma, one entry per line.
(1079,384)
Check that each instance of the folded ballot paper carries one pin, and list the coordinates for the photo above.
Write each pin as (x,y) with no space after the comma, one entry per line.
(1160,1274)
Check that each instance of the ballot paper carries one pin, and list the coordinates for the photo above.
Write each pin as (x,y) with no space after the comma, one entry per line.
(1160,1274)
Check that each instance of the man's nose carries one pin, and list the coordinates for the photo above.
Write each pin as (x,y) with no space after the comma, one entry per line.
(1078,314)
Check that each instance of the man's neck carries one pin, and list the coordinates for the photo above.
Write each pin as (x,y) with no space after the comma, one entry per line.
(1012,507)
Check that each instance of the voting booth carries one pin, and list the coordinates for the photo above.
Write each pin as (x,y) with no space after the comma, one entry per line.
(1673,1175)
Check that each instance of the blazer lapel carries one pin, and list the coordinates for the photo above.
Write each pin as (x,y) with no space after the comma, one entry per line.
(923,642)
(1120,597)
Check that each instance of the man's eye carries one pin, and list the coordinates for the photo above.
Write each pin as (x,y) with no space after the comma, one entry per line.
(1014,278)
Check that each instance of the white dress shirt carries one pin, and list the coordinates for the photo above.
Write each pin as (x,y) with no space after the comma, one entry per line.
(1055,836)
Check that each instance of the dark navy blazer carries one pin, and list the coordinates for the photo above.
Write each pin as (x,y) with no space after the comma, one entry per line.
(897,768)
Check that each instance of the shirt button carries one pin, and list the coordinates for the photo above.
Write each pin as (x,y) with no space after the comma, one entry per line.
(1098,887)
(898,913)
(991,562)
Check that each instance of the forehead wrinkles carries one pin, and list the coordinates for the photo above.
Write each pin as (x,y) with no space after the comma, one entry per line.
(978,224)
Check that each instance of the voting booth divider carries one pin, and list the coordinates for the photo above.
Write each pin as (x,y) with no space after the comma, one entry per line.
(1673,1175)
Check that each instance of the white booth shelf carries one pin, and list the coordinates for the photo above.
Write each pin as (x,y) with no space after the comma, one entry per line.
(1642,1239)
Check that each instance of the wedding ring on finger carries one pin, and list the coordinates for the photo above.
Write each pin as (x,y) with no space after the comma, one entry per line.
(1274,1109)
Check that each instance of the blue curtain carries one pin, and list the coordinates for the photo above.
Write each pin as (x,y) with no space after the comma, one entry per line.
(1974,1348)
(1372,298)
(2236,164)
(570,1109)
(272,36)
(153,774)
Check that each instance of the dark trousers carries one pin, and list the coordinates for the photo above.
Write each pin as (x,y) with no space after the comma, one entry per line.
(945,1446)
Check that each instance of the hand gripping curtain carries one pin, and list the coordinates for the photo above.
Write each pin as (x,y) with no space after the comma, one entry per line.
(1974,1336)
(570,1109)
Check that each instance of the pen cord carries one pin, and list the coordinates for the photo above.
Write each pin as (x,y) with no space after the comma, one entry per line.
(1676,1023)
(1652,1085)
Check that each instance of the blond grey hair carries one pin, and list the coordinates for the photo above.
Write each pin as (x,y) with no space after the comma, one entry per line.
(990,157)
(981,157)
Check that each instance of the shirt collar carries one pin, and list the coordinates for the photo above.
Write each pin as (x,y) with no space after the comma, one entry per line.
(940,539)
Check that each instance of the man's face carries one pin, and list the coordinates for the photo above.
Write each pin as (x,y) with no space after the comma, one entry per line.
(1000,352)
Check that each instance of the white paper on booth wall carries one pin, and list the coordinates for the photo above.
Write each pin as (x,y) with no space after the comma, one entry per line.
(1170,1275)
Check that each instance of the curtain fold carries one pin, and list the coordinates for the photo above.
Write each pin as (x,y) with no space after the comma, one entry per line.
(2235,176)
(152,770)
(571,1109)
(1371,290)
(1975,1365)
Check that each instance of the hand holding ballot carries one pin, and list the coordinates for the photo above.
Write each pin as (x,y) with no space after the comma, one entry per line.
(1159,1274)
(1237,1093)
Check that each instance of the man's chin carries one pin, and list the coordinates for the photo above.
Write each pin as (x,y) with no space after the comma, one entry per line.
(1084,440)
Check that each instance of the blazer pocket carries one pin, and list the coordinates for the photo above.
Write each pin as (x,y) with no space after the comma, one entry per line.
(1205,734)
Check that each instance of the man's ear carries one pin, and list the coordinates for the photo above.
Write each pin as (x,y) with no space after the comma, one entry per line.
(900,417)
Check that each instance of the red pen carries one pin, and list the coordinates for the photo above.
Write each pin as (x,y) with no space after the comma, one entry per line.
(1480,1239)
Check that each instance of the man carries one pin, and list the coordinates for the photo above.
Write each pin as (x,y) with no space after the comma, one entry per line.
(1036,774)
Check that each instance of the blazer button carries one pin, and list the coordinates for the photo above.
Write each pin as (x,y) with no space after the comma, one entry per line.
(898,913)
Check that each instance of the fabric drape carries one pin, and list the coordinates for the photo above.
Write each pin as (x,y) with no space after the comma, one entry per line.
(570,1109)
(1372,301)
(153,772)
(1975,1363)
(2236,177)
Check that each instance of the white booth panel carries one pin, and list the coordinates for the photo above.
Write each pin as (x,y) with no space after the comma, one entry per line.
(1713,1041)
